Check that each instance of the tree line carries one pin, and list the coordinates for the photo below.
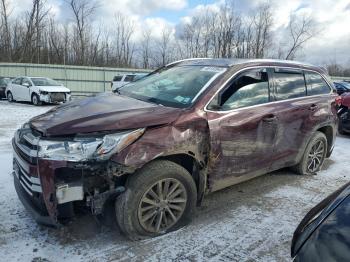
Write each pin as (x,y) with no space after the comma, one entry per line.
(37,37)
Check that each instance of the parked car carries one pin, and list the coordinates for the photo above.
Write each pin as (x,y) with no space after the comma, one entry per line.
(161,143)
(121,80)
(344,114)
(323,234)
(342,87)
(36,90)
(3,84)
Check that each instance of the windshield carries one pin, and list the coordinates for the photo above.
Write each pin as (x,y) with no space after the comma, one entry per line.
(174,87)
(44,82)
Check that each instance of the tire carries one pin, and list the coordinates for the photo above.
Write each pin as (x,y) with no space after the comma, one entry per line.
(129,205)
(340,128)
(310,165)
(10,97)
(36,100)
(340,125)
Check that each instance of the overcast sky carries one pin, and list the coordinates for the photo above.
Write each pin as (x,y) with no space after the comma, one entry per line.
(333,17)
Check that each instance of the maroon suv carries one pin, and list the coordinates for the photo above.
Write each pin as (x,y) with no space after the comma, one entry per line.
(159,144)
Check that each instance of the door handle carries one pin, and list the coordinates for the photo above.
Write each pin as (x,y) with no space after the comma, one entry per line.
(313,107)
(269,118)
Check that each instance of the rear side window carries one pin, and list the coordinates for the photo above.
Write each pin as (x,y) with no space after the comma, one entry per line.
(248,89)
(117,78)
(289,85)
(129,78)
(316,85)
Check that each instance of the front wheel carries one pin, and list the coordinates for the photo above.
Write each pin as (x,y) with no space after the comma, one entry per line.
(36,100)
(158,199)
(314,155)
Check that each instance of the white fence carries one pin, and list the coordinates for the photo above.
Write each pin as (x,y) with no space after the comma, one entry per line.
(81,80)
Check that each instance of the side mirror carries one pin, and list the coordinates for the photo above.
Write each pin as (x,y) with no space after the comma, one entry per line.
(25,84)
(215,103)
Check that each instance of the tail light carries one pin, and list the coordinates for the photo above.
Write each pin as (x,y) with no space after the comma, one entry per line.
(338,100)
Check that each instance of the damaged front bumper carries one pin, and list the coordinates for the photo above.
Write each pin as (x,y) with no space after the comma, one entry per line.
(54,97)
(50,189)
(29,189)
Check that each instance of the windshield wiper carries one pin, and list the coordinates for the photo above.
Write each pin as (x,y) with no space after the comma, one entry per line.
(153,101)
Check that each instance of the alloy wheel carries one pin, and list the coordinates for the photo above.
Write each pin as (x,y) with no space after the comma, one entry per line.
(162,205)
(316,156)
(35,100)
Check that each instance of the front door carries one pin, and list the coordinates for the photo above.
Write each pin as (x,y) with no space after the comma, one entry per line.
(242,127)
(25,89)
(16,88)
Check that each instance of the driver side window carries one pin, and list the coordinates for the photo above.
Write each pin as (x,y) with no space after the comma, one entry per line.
(247,89)
(26,81)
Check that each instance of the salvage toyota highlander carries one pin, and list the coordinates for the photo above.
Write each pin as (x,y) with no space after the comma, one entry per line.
(158,145)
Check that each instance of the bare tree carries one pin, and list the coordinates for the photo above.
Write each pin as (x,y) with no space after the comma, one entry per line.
(146,48)
(163,46)
(124,48)
(34,36)
(35,23)
(262,30)
(301,30)
(82,10)
(6,35)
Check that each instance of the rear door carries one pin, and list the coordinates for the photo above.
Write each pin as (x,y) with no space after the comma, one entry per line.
(322,99)
(242,129)
(292,108)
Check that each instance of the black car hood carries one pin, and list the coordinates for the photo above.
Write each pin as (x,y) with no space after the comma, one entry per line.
(315,217)
(107,112)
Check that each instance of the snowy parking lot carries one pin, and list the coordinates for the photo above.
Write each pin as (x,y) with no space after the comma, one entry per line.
(252,221)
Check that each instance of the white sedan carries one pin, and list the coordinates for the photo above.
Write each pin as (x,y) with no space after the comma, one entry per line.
(36,90)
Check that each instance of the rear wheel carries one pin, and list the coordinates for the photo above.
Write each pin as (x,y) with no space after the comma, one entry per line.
(10,97)
(314,155)
(340,125)
(36,100)
(158,199)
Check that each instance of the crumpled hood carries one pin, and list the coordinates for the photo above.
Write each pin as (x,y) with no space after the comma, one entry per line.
(54,88)
(107,112)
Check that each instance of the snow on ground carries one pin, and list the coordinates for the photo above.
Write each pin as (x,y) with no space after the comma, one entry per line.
(253,221)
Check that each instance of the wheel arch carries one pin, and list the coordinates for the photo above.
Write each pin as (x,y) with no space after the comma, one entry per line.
(193,166)
(329,133)
(32,92)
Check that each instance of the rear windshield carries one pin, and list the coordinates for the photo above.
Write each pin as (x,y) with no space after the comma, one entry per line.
(129,78)
(174,87)
(44,82)
(117,78)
